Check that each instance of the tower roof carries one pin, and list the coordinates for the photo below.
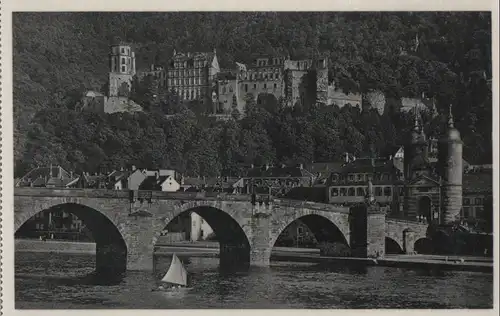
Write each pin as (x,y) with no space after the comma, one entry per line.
(417,134)
(451,134)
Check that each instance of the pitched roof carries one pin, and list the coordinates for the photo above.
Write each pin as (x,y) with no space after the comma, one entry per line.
(278,172)
(153,183)
(367,165)
(54,175)
(477,182)
(323,167)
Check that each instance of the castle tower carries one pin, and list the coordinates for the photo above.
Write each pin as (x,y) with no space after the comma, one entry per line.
(416,148)
(122,70)
(450,160)
(321,79)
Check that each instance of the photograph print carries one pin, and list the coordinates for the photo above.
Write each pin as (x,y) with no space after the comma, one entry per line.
(253,160)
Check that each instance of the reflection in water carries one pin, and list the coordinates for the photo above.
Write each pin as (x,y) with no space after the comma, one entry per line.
(65,281)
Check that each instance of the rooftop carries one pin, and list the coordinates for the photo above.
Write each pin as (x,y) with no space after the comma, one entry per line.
(278,172)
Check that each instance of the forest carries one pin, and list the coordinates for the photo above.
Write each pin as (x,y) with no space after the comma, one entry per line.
(58,56)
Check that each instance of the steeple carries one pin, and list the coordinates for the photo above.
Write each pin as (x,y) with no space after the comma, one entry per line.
(450,119)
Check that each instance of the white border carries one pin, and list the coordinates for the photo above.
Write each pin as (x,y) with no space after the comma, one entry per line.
(211,5)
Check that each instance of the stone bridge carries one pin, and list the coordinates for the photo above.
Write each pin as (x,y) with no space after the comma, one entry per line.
(126,224)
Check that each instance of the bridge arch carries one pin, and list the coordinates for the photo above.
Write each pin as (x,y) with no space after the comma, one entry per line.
(225,221)
(392,246)
(424,246)
(326,227)
(111,248)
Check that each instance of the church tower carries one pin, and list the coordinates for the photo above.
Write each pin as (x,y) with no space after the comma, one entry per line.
(122,70)
(451,171)
(416,161)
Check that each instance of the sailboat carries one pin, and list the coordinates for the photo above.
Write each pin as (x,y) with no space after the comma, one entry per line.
(176,274)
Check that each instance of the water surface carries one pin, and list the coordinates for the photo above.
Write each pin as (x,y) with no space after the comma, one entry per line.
(57,281)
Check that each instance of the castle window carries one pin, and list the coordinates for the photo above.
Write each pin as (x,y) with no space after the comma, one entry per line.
(124,68)
(351,192)
(123,50)
(360,192)
(351,177)
(123,61)
(387,191)
(223,90)
(230,88)
(334,192)
(378,191)
(275,86)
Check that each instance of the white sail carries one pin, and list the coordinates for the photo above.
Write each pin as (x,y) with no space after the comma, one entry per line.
(176,274)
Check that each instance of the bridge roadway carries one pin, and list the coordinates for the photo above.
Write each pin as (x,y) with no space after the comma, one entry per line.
(126,226)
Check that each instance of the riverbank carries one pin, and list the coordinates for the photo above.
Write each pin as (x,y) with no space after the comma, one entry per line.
(211,250)
(55,246)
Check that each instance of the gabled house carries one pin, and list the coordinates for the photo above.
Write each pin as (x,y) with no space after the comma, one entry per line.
(87,181)
(160,183)
(48,177)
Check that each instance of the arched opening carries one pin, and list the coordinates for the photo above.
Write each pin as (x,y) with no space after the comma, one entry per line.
(310,234)
(425,208)
(202,231)
(60,228)
(392,247)
(424,246)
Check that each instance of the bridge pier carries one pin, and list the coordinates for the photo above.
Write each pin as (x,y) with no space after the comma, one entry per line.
(408,241)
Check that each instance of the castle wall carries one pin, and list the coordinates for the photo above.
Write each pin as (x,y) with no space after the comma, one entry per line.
(115,82)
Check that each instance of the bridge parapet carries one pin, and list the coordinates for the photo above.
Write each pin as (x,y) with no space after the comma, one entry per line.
(125,194)
(310,205)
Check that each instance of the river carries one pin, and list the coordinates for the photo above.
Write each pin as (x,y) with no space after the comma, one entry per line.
(54,281)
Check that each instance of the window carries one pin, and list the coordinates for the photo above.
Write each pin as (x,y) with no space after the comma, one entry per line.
(123,61)
(335,177)
(466,212)
(466,201)
(334,192)
(124,68)
(343,191)
(360,177)
(360,192)
(351,192)
(478,201)
(378,191)
(275,86)
(351,177)
(123,50)
(387,191)
(254,86)
(246,87)
(265,86)
(223,90)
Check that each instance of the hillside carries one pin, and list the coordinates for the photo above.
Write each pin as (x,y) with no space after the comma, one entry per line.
(447,55)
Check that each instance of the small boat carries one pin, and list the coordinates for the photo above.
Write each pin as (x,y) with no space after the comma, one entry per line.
(176,276)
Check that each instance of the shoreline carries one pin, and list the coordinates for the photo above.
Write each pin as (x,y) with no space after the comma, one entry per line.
(280,254)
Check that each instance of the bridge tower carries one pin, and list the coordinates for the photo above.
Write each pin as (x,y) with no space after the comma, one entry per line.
(451,171)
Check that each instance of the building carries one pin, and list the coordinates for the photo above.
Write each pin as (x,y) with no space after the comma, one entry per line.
(347,185)
(417,187)
(477,189)
(193,75)
(121,73)
(46,177)
(160,183)
(88,181)
(200,230)
(276,181)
